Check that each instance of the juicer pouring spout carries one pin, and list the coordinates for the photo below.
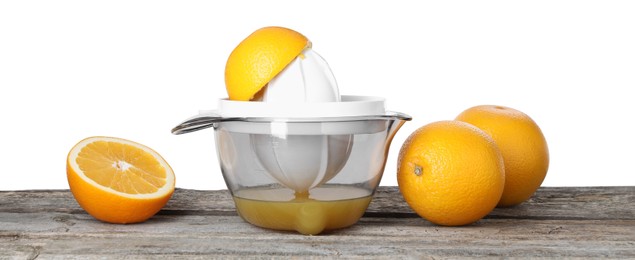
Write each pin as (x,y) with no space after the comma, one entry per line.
(397,120)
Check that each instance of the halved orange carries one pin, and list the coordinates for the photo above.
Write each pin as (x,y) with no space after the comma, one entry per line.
(117,180)
(259,58)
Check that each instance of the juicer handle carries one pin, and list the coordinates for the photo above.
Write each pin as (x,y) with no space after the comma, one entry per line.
(205,119)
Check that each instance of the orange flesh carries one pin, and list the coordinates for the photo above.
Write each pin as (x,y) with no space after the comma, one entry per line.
(121,167)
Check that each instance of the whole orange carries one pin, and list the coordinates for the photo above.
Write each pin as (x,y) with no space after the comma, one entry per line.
(450,173)
(259,58)
(522,144)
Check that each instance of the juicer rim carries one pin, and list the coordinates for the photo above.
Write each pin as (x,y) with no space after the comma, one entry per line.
(349,105)
(207,119)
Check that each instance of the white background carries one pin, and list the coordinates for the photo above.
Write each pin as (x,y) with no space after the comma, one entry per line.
(135,69)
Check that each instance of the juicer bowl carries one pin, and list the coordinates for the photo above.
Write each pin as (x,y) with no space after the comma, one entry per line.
(265,162)
(309,169)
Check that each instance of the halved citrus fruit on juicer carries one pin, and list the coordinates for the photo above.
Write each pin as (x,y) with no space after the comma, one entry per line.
(259,58)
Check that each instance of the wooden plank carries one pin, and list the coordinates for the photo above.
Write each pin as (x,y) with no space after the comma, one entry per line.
(166,235)
(548,202)
(556,222)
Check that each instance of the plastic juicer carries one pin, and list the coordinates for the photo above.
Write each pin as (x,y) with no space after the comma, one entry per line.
(301,157)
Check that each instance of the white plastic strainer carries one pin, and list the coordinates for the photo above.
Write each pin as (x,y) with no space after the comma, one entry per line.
(302,159)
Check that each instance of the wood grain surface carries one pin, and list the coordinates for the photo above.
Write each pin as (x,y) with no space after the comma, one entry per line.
(569,222)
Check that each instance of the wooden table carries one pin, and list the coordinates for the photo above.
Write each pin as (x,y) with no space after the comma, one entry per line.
(587,222)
